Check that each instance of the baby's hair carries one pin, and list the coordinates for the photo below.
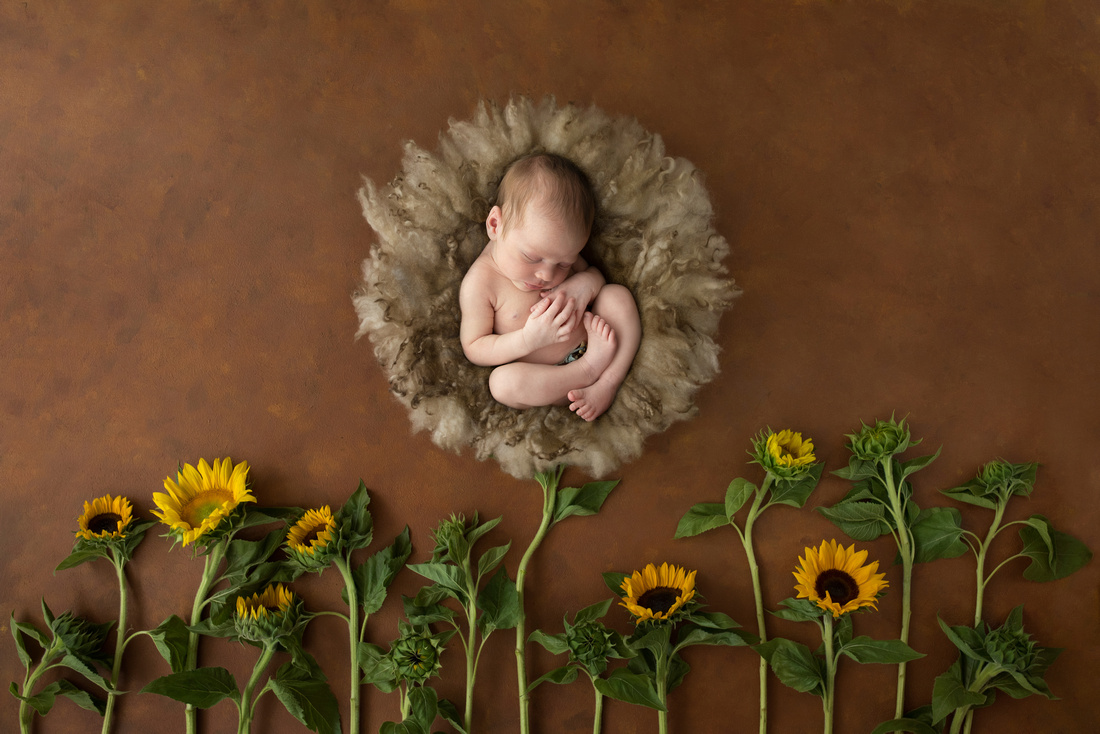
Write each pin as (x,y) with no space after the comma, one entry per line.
(563,188)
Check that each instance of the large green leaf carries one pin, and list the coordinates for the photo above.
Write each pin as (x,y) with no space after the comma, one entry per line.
(499,604)
(863,649)
(701,518)
(592,612)
(1053,554)
(201,688)
(374,576)
(491,558)
(586,500)
(555,644)
(354,519)
(795,494)
(171,639)
(76,558)
(449,576)
(623,685)
(450,714)
(938,533)
(737,494)
(914,465)
(859,520)
(950,693)
(309,701)
(614,581)
(796,666)
(561,676)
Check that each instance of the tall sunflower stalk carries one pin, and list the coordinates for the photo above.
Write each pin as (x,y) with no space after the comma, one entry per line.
(205,507)
(791,474)
(556,506)
(109,530)
(881,502)
(832,582)
(668,619)
(485,608)
(319,539)
(1053,555)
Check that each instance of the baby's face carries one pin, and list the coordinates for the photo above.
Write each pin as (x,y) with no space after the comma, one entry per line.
(537,253)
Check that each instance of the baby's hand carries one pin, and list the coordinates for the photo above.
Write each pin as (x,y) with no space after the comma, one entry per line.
(579,289)
(552,320)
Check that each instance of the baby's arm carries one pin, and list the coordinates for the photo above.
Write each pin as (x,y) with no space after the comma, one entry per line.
(583,285)
(550,322)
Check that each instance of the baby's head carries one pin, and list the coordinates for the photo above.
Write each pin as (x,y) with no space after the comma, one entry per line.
(542,220)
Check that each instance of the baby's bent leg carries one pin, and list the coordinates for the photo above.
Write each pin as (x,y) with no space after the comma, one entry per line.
(616,305)
(526,385)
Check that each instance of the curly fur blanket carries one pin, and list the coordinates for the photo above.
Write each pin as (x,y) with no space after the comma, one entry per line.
(653,234)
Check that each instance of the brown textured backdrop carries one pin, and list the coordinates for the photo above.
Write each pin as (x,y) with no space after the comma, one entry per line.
(910,191)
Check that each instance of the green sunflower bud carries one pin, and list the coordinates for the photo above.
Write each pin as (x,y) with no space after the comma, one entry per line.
(1002,479)
(79,637)
(268,617)
(785,455)
(450,538)
(416,654)
(590,645)
(880,441)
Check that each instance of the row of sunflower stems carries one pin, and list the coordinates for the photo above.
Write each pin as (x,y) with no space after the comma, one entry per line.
(242,595)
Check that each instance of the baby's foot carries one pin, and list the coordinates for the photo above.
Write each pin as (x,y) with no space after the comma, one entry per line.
(591,402)
(601,346)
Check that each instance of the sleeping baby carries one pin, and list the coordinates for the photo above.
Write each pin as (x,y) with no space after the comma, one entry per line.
(555,330)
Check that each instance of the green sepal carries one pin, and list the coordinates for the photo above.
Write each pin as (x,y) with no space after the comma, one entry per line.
(202,688)
(624,685)
(864,649)
(796,493)
(938,533)
(307,697)
(499,604)
(701,518)
(586,500)
(1053,554)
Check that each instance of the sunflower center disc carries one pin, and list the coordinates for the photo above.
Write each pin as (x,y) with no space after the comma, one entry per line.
(106,522)
(310,537)
(199,507)
(658,600)
(839,585)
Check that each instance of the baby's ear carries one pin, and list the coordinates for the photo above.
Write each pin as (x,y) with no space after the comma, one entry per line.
(494,223)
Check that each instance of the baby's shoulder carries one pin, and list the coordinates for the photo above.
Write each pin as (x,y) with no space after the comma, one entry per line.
(481,279)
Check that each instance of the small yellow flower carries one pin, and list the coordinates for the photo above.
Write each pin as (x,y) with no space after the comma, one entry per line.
(105,517)
(657,594)
(787,449)
(313,532)
(834,578)
(274,599)
(201,498)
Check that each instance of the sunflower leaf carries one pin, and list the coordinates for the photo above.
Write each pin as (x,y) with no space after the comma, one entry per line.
(374,576)
(737,494)
(377,666)
(83,699)
(701,518)
(491,558)
(202,688)
(798,610)
(586,500)
(86,668)
(1054,554)
(795,665)
(420,614)
(971,494)
(76,558)
(958,636)
(914,465)
(561,676)
(450,577)
(690,634)
(949,693)
(859,520)
(478,531)
(242,556)
(795,494)
(499,604)
(622,685)
(424,706)
(450,714)
(43,701)
(354,519)
(937,533)
(309,701)
(555,644)
(614,581)
(171,639)
(592,612)
(864,649)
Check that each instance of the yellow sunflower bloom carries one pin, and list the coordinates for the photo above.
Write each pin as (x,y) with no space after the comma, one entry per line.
(834,578)
(201,498)
(788,449)
(313,532)
(105,517)
(657,593)
(274,599)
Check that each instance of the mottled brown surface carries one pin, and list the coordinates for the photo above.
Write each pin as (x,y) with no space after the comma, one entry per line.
(910,194)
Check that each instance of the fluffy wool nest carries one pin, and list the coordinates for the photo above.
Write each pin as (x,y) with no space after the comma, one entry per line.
(652,234)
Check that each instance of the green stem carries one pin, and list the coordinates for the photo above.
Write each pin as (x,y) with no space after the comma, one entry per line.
(982,579)
(828,699)
(471,639)
(905,549)
(26,712)
(247,704)
(353,639)
(406,703)
(754,571)
(662,691)
(962,716)
(209,578)
(549,500)
(597,717)
(120,642)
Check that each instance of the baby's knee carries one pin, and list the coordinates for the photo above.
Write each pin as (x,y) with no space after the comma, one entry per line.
(505,387)
(614,298)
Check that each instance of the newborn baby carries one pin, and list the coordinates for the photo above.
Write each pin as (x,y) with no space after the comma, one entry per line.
(555,330)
